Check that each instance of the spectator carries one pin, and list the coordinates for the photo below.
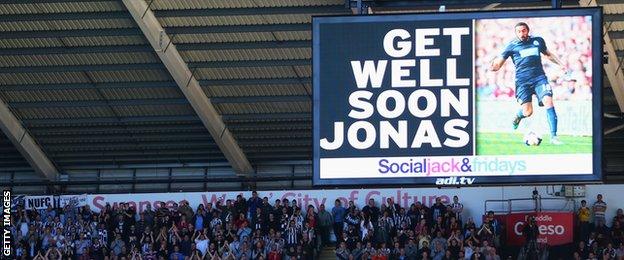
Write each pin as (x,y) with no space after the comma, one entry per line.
(495,226)
(438,250)
(599,208)
(457,209)
(266,207)
(176,254)
(609,252)
(530,232)
(342,253)
(386,226)
(441,240)
(253,203)
(617,233)
(619,252)
(339,215)
(372,211)
(438,209)
(274,254)
(582,250)
(325,223)
(392,207)
(583,215)
(619,216)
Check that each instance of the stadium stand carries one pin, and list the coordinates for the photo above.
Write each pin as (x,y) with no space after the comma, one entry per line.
(254,228)
(87,105)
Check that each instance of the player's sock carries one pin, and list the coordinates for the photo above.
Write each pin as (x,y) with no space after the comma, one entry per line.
(552,120)
(519,116)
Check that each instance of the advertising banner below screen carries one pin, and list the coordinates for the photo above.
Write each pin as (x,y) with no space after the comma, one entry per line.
(457,99)
(555,228)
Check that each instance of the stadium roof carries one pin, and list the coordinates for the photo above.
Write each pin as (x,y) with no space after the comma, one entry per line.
(87,94)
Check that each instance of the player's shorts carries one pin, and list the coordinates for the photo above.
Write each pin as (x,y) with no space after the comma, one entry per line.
(540,87)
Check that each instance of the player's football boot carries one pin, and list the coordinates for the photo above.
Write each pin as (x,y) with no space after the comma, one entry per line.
(516,122)
(555,141)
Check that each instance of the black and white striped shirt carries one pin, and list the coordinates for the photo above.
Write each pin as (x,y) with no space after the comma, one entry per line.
(292,235)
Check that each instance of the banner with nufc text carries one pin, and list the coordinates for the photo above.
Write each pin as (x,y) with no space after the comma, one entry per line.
(45,201)
(457,98)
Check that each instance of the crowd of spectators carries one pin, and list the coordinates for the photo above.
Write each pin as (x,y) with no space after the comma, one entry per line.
(418,232)
(254,228)
(567,37)
(241,229)
(597,240)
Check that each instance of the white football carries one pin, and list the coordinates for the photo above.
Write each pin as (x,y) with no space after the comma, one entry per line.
(532,139)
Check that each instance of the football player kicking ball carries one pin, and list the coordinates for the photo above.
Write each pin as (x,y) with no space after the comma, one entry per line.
(525,52)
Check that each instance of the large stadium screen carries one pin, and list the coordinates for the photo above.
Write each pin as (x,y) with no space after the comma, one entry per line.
(458,98)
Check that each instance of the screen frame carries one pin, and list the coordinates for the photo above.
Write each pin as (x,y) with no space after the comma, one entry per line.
(597,96)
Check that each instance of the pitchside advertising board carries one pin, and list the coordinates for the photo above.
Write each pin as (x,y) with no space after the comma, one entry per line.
(457,98)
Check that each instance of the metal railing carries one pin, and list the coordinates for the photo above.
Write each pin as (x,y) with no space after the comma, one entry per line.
(529,205)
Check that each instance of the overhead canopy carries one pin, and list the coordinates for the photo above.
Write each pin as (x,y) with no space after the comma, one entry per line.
(84,81)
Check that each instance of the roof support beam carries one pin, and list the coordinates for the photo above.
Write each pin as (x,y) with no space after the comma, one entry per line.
(148,137)
(115,129)
(239,28)
(180,72)
(261,99)
(110,120)
(244,82)
(154,101)
(153,66)
(260,117)
(133,152)
(330,9)
(64,16)
(615,74)
(71,33)
(73,68)
(243,45)
(75,50)
(26,144)
(147,48)
(239,127)
(47,1)
(74,86)
(172,30)
(113,138)
(100,103)
(155,84)
(154,119)
(250,63)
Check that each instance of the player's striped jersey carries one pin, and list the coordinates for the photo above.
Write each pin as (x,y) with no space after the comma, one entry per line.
(526,58)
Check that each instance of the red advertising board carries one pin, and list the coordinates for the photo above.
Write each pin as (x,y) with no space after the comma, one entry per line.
(555,228)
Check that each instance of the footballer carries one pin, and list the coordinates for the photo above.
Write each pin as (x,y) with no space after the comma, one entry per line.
(525,53)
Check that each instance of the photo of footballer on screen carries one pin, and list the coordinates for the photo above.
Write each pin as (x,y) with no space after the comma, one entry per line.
(551,67)
(531,79)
